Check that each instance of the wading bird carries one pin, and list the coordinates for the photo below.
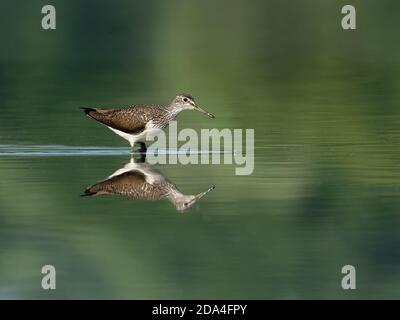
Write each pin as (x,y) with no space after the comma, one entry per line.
(137,122)
(139,180)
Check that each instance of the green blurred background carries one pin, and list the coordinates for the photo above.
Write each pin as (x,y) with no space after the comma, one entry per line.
(324,104)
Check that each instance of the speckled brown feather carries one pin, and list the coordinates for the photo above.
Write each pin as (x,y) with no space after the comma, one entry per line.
(130,120)
(132,184)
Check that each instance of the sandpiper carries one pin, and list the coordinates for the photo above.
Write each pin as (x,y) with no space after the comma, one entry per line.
(141,181)
(135,123)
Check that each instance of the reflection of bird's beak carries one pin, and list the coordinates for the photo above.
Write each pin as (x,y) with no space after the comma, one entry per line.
(201,195)
(204,111)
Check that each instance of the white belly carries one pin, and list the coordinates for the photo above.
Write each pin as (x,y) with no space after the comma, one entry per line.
(151,176)
(140,137)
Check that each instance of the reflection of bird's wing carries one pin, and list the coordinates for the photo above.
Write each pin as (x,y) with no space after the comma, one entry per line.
(132,184)
(131,120)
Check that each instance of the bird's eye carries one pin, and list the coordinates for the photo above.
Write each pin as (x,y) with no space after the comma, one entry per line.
(185,204)
(185,99)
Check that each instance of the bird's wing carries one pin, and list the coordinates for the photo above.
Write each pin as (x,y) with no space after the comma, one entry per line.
(132,184)
(131,120)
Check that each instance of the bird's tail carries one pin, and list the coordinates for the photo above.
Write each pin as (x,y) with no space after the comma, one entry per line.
(87,110)
(88,193)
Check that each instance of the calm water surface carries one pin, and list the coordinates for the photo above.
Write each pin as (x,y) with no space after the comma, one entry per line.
(283,232)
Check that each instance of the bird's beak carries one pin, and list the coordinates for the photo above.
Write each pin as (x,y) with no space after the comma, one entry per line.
(201,195)
(204,111)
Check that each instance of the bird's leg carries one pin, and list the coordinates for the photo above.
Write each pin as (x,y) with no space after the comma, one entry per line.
(138,152)
(137,158)
(139,147)
(144,147)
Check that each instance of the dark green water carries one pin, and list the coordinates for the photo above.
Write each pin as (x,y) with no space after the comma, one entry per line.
(324,104)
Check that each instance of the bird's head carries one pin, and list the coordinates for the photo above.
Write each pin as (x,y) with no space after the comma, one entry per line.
(185,203)
(186,102)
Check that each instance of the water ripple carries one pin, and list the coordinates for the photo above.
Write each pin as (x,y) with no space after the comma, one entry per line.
(59,150)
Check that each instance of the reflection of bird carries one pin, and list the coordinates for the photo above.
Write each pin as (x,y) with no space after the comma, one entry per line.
(137,122)
(142,182)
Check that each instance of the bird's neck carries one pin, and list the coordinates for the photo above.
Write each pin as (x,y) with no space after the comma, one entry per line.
(172,112)
(174,195)
(164,118)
